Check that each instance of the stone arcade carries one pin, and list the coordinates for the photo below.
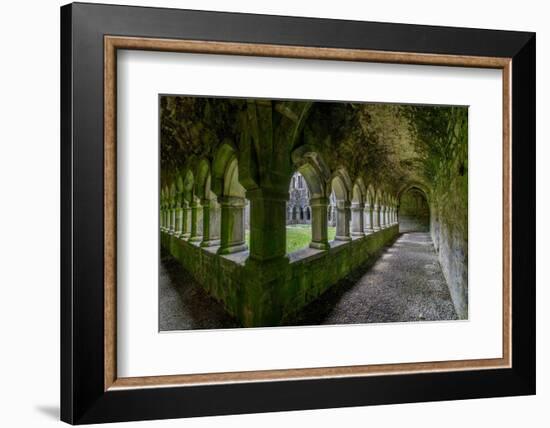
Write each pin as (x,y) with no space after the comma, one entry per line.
(273,148)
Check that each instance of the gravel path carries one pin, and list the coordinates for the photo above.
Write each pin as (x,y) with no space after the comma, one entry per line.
(404,284)
(184,305)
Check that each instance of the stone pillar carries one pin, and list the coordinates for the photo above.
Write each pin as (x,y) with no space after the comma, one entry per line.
(357,219)
(267,224)
(172,220)
(179,222)
(232,238)
(185,220)
(319,223)
(196,222)
(211,223)
(370,215)
(161,219)
(342,221)
(376,217)
(383,223)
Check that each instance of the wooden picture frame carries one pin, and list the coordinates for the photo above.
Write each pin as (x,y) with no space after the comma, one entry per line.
(91,391)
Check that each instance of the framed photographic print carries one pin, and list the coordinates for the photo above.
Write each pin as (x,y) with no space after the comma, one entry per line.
(266,213)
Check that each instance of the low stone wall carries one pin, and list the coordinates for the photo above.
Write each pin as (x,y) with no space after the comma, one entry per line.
(268,293)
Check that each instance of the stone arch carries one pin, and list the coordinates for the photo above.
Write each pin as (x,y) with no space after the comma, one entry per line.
(308,162)
(171,204)
(414,184)
(225,171)
(414,210)
(369,209)
(383,210)
(358,196)
(313,168)
(186,184)
(342,186)
(209,202)
(376,205)
(231,197)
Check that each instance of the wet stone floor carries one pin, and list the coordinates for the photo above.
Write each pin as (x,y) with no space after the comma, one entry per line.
(405,283)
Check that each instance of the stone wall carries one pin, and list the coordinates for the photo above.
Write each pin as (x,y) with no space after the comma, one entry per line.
(267,294)
(449,230)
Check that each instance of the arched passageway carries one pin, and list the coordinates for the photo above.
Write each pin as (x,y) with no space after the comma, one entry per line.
(414,211)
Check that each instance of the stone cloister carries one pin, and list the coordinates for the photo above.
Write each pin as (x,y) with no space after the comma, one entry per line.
(202,211)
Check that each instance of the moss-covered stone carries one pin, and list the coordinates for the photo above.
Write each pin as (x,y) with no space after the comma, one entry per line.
(261,293)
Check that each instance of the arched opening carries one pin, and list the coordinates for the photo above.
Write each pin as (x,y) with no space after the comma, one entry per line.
(385,210)
(414,211)
(357,209)
(210,206)
(341,188)
(298,229)
(231,197)
(369,211)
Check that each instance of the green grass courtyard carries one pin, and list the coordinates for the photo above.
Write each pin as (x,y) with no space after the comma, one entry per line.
(298,236)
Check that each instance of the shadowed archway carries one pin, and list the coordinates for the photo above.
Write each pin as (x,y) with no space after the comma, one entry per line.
(414,211)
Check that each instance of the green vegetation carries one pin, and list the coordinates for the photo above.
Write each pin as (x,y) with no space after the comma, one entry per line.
(298,237)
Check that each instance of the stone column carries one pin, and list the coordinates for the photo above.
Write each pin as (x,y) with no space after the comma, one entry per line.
(267,224)
(211,223)
(179,221)
(376,217)
(383,219)
(342,221)
(232,238)
(357,219)
(172,220)
(161,219)
(186,220)
(196,222)
(370,215)
(319,223)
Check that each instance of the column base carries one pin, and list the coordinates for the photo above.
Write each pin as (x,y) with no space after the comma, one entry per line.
(233,249)
(195,239)
(319,245)
(342,238)
(210,243)
(358,234)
